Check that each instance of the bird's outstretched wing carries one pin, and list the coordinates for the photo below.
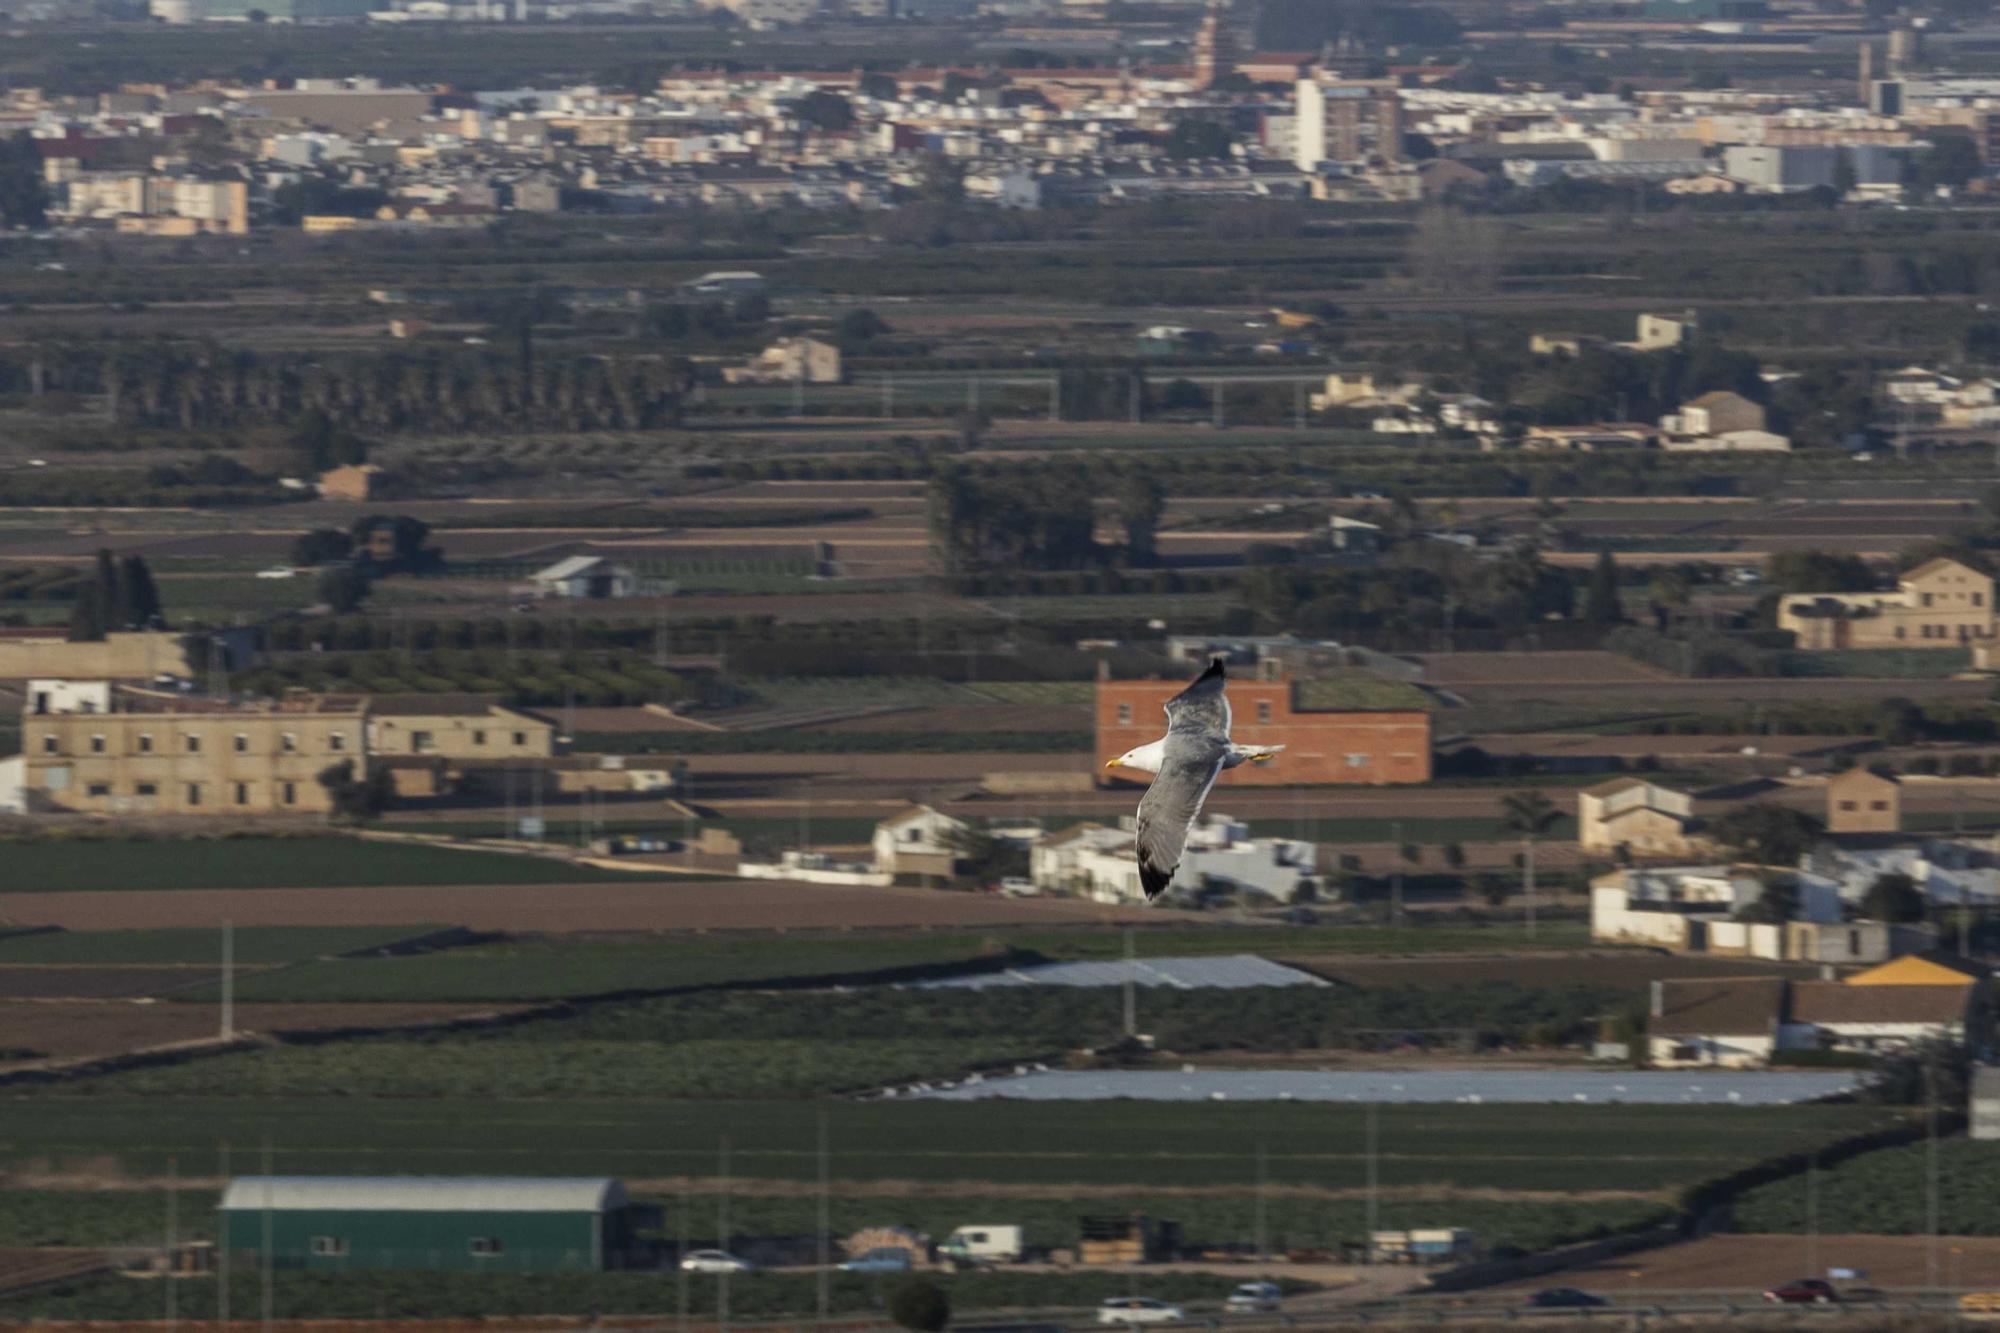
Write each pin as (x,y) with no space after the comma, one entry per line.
(1171,804)
(1202,707)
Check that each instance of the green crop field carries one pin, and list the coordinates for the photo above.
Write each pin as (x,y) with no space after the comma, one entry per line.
(1127,1145)
(577,1068)
(1883,1193)
(252,945)
(536,969)
(273,863)
(539,969)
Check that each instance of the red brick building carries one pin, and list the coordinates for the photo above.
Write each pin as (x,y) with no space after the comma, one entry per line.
(1361,747)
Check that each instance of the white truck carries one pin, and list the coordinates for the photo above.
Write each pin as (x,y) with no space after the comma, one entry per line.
(971,1246)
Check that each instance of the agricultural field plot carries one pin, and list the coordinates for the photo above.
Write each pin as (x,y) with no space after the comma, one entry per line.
(566,907)
(1149,1146)
(268,863)
(67,1029)
(96,983)
(1629,970)
(1752,1263)
(652,1295)
(1471,670)
(198,945)
(555,968)
(1884,1193)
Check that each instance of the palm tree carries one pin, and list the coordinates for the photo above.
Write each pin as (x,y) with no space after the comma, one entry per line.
(1530,814)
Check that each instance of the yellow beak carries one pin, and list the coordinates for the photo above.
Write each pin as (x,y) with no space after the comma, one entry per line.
(1111,763)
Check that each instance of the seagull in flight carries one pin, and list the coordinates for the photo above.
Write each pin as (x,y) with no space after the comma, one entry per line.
(1184,764)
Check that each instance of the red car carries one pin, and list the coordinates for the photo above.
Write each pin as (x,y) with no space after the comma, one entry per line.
(1804,1291)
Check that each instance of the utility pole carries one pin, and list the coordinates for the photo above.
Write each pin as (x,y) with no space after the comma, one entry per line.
(1368,1241)
(1930,1172)
(228,981)
(1812,1213)
(173,1242)
(1263,1250)
(722,1236)
(1396,873)
(265,1276)
(824,1225)
(1131,991)
(222,1243)
(1528,882)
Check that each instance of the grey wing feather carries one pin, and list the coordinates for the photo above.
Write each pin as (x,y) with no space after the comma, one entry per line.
(1171,804)
(1203,706)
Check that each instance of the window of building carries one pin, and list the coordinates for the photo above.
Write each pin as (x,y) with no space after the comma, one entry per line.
(1878,805)
(1124,715)
(242,793)
(1357,761)
(337,741)
(145,742)
(290,791)
(146,789)
(329,1246)
(1927,599)
(289,742)
(98,789)
(1854,942)
(1264,711)
(243,742)
(50,745)
(520,740)
(420,741)
(486,1245)
(1978,598)
(97,744)
(192,742)
(479,738)
(1847,805)
(194,793)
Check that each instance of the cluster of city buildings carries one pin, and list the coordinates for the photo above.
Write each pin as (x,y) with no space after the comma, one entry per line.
(1334,124)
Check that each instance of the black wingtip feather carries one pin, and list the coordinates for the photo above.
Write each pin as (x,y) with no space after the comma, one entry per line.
(1153,880)
(1214,671)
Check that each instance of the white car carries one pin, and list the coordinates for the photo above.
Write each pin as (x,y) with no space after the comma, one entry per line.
(277,572)
(715,1261)
(1139,1310)
(1253,1298)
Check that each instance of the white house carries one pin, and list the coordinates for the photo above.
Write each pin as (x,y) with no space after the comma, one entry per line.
(1693,909)
(589,577)
(1733,1022)
(1099,863)
(918,841)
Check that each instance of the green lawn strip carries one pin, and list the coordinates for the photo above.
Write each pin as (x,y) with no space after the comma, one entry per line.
(1132,1145)
(251,945)
(67,865)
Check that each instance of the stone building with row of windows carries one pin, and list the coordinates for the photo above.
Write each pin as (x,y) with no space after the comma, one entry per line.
(103,748)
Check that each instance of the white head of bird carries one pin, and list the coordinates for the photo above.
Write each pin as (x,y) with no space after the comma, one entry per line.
(1146,758)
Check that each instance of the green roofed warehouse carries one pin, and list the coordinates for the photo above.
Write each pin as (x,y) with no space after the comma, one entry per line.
(516,1224)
